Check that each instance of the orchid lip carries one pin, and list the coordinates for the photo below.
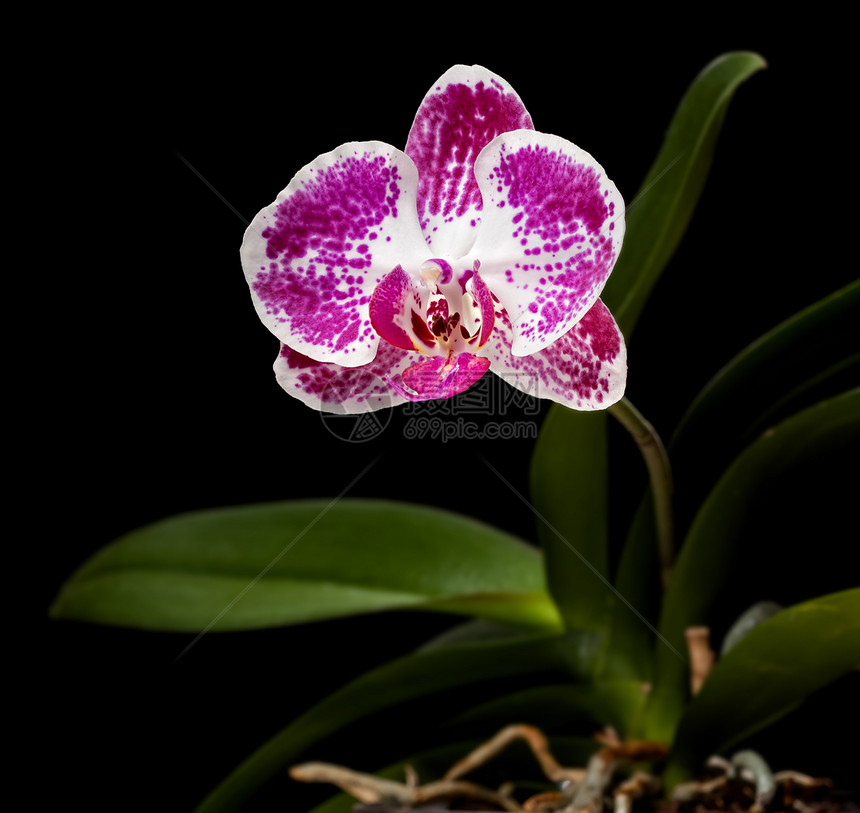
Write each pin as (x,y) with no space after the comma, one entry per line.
(435,311)
(440,377)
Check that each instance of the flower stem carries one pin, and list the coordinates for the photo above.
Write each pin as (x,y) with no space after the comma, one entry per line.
(660,474)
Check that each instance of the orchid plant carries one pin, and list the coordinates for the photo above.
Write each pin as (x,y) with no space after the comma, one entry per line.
(394,276)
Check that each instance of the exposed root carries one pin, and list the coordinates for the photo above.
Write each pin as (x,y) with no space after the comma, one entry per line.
(547,802)
(535,740)
(364,787)
(701,656)
(747,775)
(588,795)
(793,777)
(742,783)
(372,789)
(638,786)
(409,795)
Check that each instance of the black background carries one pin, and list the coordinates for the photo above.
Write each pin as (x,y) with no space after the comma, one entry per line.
(146,386)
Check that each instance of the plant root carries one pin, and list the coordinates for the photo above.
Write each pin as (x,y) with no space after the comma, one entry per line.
(747,780)
(701,656)
(639,785)
(588,795)
(372,789)
(582,789)
(743,782)
(536,741)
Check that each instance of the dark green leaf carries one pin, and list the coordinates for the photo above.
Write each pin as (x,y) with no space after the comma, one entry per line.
(783,369)
(473,631)
(709,550)
(569,493)
(293,562)
(569,476)
(767,674)
(747,621)
(768,380)
(418,675)
(657,218)
(632,635)
(571,707)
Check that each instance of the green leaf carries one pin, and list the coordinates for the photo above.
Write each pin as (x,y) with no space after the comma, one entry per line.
(770,378)
(658,217)
(569,493)
(812,351)
(293,562)
(768,673)
(473,631)
(748,620)
(632,636)
(569,475)
(795,446)
(417,675)
(570,707)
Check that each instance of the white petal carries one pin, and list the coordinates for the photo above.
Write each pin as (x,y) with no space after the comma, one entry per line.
(465,109)
(586,369)
(551,232)
(313,257)
(344,390)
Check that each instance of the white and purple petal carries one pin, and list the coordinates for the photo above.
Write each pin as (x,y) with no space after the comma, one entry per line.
(585,369)
(314,256)
(551,232)
(466,109)
(344,390)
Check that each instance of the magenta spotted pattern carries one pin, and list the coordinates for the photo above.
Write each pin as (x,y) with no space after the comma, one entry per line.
(391,276)
(454,123)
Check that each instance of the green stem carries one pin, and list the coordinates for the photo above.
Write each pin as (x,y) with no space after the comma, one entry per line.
(660,474)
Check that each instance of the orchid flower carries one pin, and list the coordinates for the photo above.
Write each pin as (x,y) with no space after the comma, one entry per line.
(391,276)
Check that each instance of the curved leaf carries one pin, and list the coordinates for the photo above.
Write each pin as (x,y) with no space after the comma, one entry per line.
(772,375)
(708,551)
(473,631)
(569,492)
(658,216)
(584,707)
(413,676)
(292,562)
(767,674)
(632,637)
(748,620)
(781,369)
(569,474)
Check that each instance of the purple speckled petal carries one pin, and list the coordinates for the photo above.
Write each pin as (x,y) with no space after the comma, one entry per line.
(313,257)
(586,369)
(551,232)
(344,390)
(459,116)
